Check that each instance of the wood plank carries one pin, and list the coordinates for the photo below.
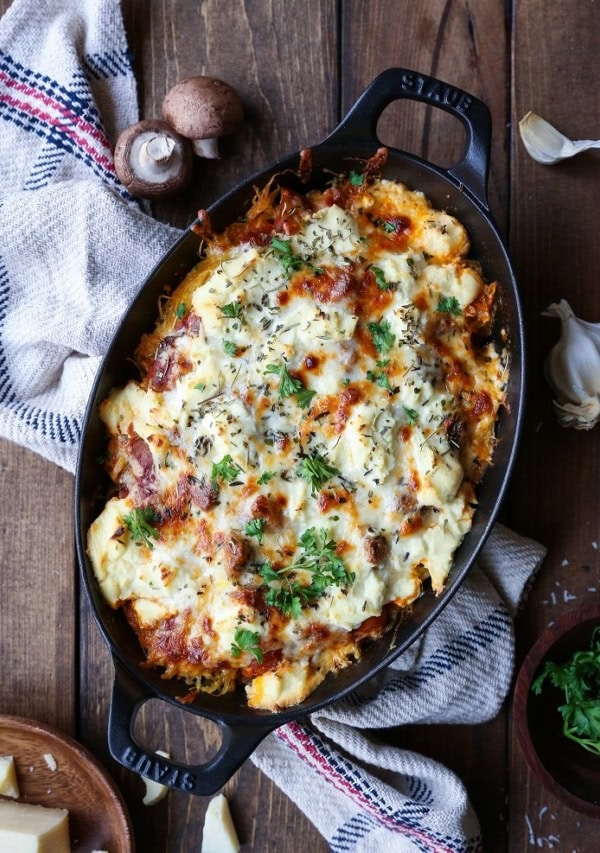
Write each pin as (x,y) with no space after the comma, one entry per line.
(38,589)
(466,45)
(241,42)
(552,209)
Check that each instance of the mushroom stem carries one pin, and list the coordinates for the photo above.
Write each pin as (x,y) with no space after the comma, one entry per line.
(208,148)
(155,157)
(158,148)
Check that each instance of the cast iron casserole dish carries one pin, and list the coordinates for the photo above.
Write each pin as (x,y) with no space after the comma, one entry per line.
(461,191)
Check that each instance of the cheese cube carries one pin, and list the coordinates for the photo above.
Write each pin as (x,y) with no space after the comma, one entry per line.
(219,834)
(9,786)
(25,828)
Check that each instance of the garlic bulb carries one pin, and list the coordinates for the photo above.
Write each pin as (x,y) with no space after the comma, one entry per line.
(573,368)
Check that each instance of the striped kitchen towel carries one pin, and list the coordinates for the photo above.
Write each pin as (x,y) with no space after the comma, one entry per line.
(74,248)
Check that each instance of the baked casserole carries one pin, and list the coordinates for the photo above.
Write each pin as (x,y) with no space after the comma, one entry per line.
(317,403)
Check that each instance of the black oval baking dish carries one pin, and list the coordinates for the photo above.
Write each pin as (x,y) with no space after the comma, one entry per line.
(461,191)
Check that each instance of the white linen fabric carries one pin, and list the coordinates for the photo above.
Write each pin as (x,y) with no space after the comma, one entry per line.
(74,248)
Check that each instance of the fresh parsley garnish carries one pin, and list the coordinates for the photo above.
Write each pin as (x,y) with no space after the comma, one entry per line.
(289,261)
(256,527)
(412,416)
(304,397)
(356,179)
(181,310)
(200,386)
(379,275)
(579,679)
(230,348)
(290,385)
(382,336)
(265,477)
(224,471)
(232,309)
(380,379)
(139,521)
(245,640)
(319,557)
(316,470)
(449,305)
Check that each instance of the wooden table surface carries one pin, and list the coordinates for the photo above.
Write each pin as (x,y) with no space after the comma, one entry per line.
(298,66)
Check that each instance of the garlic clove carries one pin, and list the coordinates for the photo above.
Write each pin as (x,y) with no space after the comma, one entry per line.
(547,145)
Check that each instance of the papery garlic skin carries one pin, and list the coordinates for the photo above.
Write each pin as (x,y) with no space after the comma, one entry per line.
(572,368)
(584,416)
(547,145)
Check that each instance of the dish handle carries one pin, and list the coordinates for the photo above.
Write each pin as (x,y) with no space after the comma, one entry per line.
(238,742)
(395,84)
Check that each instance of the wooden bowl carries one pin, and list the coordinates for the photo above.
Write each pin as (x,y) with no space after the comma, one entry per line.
(564,767)
(98,819)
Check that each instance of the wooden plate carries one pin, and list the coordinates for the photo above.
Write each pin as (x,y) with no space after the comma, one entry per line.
(98,819)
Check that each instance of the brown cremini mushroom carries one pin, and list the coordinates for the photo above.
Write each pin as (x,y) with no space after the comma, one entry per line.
(203,109)
(152,160)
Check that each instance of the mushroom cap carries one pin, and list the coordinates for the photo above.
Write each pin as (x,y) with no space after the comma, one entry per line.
(203,108)
(154,178)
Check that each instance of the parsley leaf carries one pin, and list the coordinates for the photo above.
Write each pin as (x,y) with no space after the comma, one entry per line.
(232,309)
(380,379)
(379,275)
(356,179)
(245,640)
(289,261)
(449,305)
(411,415)
(316,470)
(230,348)
(256,527)
(382,336)
(200,386)
(319,557)
(304,397)
(224,471)
(265,477)
(181,310)
(268,573)
(139,521)
(287,600)
(290,385)
(579,679)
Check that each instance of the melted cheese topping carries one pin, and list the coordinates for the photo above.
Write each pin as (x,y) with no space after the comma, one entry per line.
(316,404)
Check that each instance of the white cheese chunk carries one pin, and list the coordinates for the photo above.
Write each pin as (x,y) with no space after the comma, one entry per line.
(155,792)
(219,834)
(25,828)
(9,787)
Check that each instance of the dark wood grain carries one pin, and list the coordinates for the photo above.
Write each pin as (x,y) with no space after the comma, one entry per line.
(39,588)
(556,489)
(298,66)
